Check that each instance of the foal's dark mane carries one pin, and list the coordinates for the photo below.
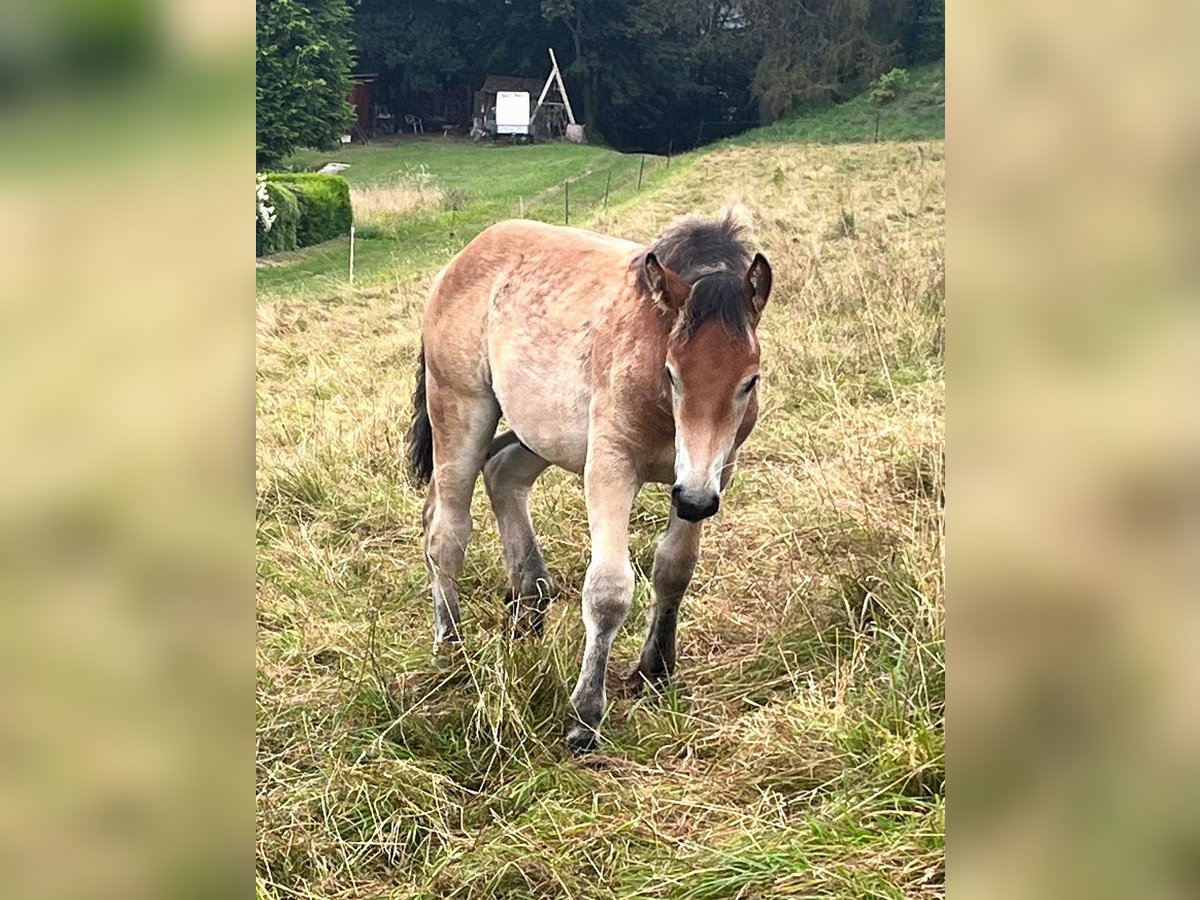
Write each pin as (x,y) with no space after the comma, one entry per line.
(710,255)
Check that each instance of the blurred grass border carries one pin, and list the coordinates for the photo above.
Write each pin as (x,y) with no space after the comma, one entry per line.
(125,512)
(126,355)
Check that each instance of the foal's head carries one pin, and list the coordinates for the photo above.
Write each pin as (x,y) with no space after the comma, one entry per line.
(711,371)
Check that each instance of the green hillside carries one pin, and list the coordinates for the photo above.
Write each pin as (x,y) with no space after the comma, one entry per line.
(919,114)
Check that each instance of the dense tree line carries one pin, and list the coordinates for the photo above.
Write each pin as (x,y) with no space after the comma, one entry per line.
(644,74)
(647,73)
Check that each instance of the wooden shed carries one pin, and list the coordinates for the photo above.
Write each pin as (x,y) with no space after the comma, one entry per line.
(483,116)
(360,97)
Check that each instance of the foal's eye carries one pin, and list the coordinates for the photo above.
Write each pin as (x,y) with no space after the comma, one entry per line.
(670,375)
(749,385)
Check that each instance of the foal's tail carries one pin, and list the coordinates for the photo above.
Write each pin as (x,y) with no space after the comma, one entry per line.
(420,433)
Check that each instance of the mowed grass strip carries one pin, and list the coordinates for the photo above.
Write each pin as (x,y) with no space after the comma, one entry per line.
(418,201)
(801,750)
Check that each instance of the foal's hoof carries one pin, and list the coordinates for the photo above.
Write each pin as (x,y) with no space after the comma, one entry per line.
(447,655)
(582,739)
(637,680)
(527,623)
(527,613)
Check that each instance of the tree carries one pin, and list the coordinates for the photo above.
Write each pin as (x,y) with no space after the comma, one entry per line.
(303,62)
(423,39)
(925,33)
(822,50)
(650,71)
(886,88)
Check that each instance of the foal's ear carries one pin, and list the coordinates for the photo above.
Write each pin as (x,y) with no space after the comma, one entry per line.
(756,286)
(667,290)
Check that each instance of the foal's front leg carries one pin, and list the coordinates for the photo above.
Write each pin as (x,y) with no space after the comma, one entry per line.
(674,562)
(609,486)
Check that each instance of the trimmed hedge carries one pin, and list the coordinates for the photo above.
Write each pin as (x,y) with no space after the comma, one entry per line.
(282,235)
(325,211)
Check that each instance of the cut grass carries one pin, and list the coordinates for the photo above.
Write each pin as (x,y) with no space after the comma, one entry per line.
(466,165)
(486,182)
(800,751)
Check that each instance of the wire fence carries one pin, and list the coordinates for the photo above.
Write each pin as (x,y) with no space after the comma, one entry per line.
(598,188)
(569,202)
(593,190)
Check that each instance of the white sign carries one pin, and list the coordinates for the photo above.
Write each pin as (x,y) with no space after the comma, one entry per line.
(512,112)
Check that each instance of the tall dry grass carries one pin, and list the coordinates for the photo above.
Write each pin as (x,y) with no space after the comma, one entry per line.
(800,751)
(407,192)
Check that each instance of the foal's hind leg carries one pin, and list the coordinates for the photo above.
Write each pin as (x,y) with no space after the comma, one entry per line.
(463,425)
(674,562)
(509,474)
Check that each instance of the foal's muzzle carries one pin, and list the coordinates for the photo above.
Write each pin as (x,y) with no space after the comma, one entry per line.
(693,507)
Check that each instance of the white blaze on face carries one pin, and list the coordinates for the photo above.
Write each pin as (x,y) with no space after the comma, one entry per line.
(700,475)
(702,447)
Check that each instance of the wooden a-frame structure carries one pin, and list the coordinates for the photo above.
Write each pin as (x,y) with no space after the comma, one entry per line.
(554,78)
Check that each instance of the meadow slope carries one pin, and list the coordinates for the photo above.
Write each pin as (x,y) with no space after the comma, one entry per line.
(800,752)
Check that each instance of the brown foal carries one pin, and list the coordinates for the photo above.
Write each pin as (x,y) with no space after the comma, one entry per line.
(626,364)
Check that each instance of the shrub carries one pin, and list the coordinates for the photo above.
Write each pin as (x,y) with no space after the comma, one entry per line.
(286,221)
(325,211)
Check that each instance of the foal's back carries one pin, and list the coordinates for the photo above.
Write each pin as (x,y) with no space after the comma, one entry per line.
(516,313)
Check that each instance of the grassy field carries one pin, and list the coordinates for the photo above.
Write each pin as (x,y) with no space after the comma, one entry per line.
(918,114)
(799,753)
(465,165)
(449,191)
